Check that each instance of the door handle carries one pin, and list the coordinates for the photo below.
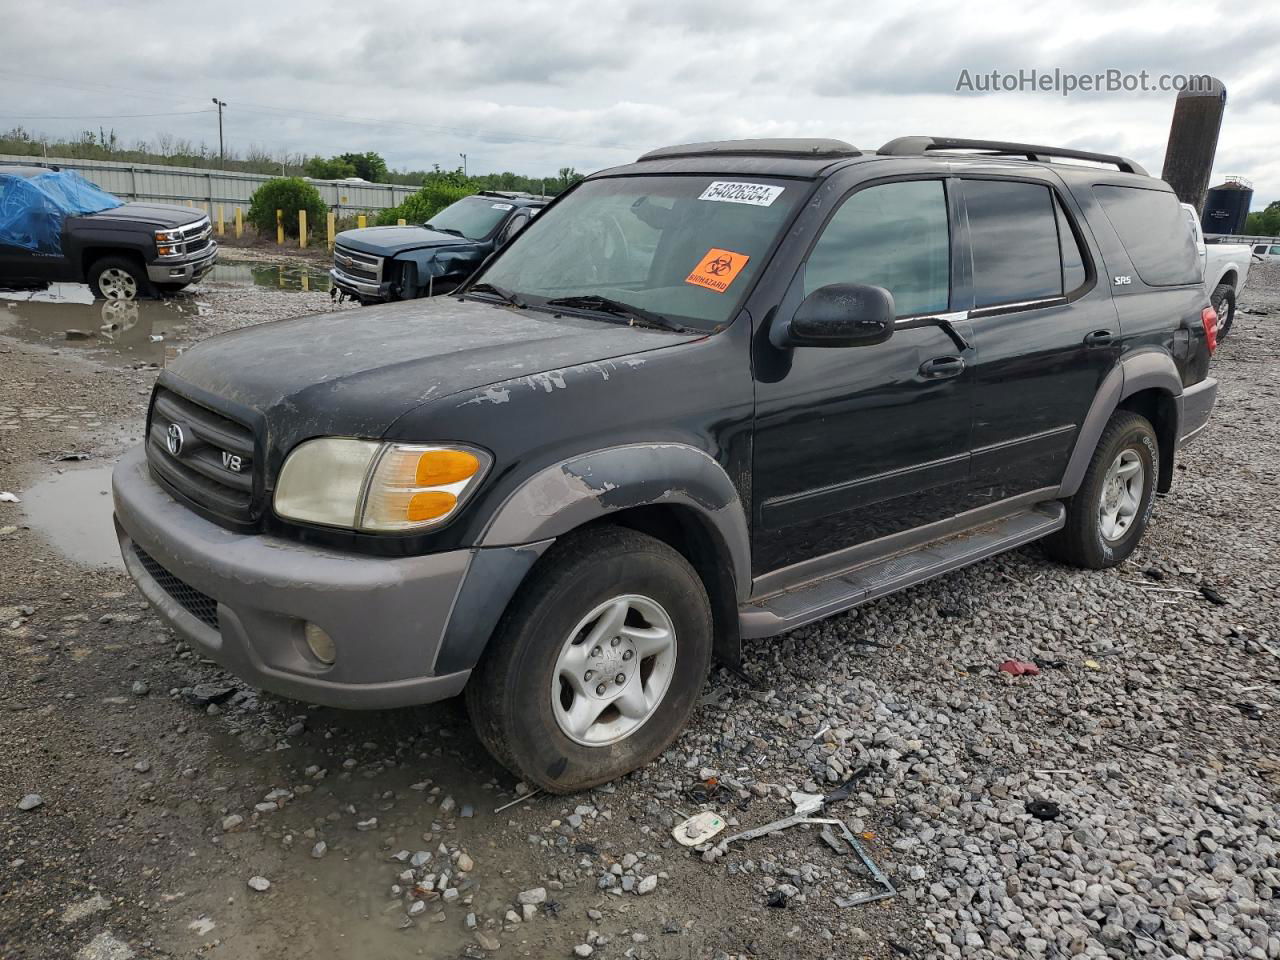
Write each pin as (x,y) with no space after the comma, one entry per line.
(1099,338)
(940,368)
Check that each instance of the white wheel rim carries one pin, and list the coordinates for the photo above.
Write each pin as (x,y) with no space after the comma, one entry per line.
(1122,490)
(613,671)
(117,284)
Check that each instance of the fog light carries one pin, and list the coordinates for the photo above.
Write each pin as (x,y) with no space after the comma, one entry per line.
(321,644)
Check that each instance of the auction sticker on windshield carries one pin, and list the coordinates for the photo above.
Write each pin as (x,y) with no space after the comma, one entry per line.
(729,191)
(717,269)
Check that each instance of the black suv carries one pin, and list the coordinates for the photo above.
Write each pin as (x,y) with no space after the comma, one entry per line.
(715,394)
(377,264)
(55,227)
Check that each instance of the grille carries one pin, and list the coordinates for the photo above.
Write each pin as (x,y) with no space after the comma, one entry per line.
(214,464)
(201,606)
(198,243)
(362,266)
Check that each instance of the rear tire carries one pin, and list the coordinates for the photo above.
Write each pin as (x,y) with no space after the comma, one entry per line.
(119,278)
(595,607)
(1224,304)
(1109,513)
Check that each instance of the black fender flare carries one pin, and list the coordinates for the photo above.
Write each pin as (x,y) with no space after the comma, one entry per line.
(1141,370)
(566,495)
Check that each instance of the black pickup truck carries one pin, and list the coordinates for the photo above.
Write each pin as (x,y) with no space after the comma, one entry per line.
(57,227)
(713,395)
(378,264)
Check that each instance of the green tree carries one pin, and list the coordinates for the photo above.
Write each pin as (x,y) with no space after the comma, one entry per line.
(369,165)
(287,194)
(1264,223)
(426,203)
(335,168)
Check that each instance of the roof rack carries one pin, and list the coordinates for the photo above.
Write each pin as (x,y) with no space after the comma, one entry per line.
(817,148)
(919,146)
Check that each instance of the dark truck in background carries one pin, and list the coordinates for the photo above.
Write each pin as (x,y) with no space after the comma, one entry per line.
(56,227)
(378,264)
(713,395)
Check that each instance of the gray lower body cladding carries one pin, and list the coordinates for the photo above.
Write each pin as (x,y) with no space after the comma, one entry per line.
(244,601)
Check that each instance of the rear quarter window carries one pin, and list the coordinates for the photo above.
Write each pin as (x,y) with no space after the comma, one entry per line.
(1153,228)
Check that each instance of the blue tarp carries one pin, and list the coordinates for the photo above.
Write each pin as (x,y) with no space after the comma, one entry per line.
(32,208)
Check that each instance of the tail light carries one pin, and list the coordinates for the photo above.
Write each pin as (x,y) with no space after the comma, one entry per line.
(1209,317)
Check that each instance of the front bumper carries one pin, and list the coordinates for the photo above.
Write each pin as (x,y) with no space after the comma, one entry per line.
(1195,407)
(361,289)
(243,600)
(187,271)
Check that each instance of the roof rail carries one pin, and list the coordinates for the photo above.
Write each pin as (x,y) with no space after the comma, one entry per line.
(919,146)
(817,148)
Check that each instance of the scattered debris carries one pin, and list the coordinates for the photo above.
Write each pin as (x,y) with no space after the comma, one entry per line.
(85,908)
(777,898)
(73,334)
(1043,809)
(527,796)
(698,829)
(1020,668)
(203,694)
(1253,711)
(1213,596)
(1093,664)
(72,457)
(201,926)
(7,497)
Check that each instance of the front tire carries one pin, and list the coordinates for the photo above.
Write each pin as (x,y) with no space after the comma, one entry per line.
(1109,513)
(1223,299)
(596,666)
(118,278)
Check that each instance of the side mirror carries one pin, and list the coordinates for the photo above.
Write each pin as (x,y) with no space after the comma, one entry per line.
(841,315)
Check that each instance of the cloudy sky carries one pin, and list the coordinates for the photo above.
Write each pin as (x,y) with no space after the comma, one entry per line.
(532,86)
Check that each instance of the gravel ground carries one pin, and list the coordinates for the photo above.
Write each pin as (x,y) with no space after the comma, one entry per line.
(183,815)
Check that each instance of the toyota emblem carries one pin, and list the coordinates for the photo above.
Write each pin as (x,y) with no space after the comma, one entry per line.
(173,439)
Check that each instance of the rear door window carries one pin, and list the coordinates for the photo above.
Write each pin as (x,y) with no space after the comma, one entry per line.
(893,235)
(1013,232)
(1260,248)
(1275,251)
(1151,225)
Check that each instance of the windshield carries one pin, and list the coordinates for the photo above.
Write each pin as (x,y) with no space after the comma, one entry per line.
(472,217)
(683,247)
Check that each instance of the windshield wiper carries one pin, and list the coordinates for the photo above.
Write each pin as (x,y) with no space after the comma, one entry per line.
(593,301)
(502,292)
(456,233)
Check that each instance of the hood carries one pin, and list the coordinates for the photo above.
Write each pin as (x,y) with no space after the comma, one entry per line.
(355,372)
(388,241)
(155,214)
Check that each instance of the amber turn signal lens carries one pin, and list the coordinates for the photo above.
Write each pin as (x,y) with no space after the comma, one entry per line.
(439,468)
(429,505)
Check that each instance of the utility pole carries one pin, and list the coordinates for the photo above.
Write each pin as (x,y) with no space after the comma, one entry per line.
(464,163)
(222,153)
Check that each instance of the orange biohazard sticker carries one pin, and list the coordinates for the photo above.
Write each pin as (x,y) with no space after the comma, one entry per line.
(716,270)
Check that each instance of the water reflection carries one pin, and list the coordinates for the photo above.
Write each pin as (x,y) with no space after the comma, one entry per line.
(140,331)
(298,276)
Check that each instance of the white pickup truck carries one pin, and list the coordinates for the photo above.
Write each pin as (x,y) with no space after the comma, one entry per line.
(1226,267)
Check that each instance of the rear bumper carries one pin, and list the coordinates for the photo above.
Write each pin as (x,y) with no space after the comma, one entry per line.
(1195,407)
(188,271)
(244,600)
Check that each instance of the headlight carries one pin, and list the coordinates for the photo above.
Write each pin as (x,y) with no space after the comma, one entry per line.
(378,487)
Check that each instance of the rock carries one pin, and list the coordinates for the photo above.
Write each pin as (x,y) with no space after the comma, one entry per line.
(583,950)
(417,908)
(208,694)
(78,911)
(105,946)
(487,941)
(142,766)
(231,822)
(647,885)
(366,825)
(140,688)
(528,911)
(261,884)
(31,801)
(532,897)
(465,863)
(319,850)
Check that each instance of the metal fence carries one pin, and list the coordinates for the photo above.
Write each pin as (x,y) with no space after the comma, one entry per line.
(204,188)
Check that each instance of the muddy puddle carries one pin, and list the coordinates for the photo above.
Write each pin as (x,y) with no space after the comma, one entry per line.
(67,317)
(72,510)
(300,277)
(342,905)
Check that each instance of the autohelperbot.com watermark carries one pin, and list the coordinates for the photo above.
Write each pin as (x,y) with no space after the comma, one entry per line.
(1065,82)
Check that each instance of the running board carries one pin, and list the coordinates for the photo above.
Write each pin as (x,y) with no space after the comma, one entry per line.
(802,605)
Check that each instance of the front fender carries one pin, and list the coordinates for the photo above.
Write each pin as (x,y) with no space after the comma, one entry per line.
(568,494)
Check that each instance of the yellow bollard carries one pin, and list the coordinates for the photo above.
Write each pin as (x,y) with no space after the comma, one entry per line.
(239,224)
(302,229)
(331,228)
(401,222)
(362,221)
(222,230)
(280,228)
